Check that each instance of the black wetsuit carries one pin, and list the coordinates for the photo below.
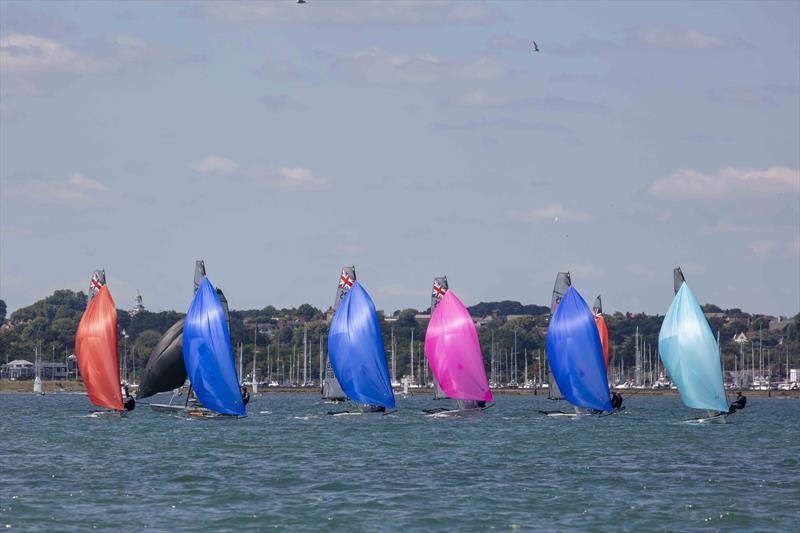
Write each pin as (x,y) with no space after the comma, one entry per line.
(739,404)
(246,397)
(616,401)
(130,403)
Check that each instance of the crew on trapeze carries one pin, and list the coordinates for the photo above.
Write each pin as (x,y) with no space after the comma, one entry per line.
(616,401)
(739,403)
(129,404)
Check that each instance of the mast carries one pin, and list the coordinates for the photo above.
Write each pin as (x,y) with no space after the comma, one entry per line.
(305,354)
(394,362)
(321,358)
(638,372)
(255,349)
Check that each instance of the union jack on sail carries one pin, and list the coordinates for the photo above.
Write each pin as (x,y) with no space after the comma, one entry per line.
(96,284)
(438,290)
(345,281)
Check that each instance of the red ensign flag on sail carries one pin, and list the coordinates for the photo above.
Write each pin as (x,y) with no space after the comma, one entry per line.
(96,349)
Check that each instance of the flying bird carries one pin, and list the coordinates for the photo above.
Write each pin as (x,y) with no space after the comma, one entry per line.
(535,47)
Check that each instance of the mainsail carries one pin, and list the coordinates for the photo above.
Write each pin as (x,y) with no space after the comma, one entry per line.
(331,390)
(356,350)
(437,293)
(690,353)
(677,279)
(454,352)
(576,355)
(602,329)
(165,369)
(563,283)
(96,283)
(208,355)
(96,350)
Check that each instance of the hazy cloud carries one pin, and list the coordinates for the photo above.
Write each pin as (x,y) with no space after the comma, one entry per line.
(356,13)
(377,65)
(301,177)
(482,98)
(553,212)
(77,189)
(680,39)
(31,54)
(214,164)
(687,183)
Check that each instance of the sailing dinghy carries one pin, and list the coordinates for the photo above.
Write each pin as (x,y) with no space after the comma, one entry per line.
(331,390)
(454,354)
(96,349)
(208,356)
(165,370)
(357,354)
(691,356)
(575,354)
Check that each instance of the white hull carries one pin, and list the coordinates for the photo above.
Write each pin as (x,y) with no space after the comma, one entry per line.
(721,418)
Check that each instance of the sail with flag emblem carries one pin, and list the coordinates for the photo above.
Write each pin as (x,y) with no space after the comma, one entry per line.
(96,283)
(96,347)
(454,352)
(602,329)
(438,291)
(208,355)
(576,354)
(563,283)
(689,351)
(331,389)
(356,351)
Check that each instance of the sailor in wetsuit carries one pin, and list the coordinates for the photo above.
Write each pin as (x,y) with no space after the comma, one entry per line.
(129,404)
(616,401)
(741,401)
(245,395)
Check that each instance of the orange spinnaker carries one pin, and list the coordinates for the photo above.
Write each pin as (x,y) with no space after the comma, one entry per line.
(96,348)
(603,331)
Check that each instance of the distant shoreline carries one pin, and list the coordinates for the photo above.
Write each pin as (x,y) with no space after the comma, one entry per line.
(54,387)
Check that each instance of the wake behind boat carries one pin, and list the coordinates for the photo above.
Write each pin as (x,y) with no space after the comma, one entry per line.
(691,356)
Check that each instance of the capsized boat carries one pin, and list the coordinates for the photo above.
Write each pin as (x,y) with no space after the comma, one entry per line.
(357,354)
(331,389)
(576,357)
(208,355)
(602,329)
(96,347)
(690,354)
(454,354)
(438,291)
(562,284)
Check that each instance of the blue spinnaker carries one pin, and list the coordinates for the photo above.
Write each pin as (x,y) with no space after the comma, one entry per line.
(576,354)
(690,353)
(356,352)
(208,355)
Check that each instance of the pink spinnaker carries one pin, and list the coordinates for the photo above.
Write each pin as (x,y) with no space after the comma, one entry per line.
(454,352)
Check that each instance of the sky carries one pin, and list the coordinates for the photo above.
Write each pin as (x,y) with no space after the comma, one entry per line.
(279,142)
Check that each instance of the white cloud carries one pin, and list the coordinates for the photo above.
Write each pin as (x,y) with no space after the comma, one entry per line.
(30,54)
(356,13)
(77,189)
(213,164)
(687,183)
(762,247)
(479,98)
(679,39)
(553,212)
(377,65)
(301,177)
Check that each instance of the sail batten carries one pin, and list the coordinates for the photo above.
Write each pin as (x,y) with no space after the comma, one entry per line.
(689,352)
(454,352)
(356,350)
(576,354)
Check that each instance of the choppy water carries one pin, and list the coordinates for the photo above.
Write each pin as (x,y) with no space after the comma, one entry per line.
(289,466)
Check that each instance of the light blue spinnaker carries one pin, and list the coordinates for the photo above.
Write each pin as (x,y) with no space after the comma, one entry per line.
(356,351)
(208,356)
(690,354)
(576,354)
